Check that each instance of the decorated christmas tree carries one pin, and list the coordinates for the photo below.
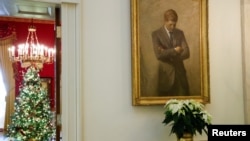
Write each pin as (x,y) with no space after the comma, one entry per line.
(32,118)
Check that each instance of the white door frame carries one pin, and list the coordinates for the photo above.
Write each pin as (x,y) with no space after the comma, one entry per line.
(71,108)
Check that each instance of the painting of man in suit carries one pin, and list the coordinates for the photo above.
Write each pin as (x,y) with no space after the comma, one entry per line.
(171,49)
(170,68)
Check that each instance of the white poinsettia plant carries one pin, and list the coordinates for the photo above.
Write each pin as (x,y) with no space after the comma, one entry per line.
(186,116)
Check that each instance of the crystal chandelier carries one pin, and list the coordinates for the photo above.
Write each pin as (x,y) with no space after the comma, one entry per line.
(31,52)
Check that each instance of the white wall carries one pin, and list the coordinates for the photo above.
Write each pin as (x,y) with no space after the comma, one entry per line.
(108,114)
(226,62)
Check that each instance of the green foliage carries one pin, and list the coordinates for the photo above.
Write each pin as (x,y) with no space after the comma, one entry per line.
(32,118)
(186,116)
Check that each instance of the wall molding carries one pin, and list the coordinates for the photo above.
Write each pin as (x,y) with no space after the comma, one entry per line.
(26,20)
(245,11)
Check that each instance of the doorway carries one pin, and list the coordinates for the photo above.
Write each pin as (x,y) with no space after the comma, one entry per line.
(72,75)
(41,20)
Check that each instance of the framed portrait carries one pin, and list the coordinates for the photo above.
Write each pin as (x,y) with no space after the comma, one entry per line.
(169,51)
(46,83)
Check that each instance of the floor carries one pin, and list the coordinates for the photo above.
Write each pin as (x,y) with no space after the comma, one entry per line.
(4,138)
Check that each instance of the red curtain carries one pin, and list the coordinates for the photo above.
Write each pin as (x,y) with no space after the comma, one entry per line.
(7,31)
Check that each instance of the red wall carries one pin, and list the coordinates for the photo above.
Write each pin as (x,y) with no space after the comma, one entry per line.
(46,36)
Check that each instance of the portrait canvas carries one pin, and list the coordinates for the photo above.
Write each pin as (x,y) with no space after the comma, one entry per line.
(147,16)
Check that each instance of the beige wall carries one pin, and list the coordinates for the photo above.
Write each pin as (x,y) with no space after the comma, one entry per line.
(108,114)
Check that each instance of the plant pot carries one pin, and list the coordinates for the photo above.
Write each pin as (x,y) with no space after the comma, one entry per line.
(186,137)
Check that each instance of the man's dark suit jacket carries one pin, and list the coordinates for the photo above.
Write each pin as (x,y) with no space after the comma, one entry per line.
(171,62)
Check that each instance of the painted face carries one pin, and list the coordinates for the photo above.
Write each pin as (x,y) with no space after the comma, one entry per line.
(170,25)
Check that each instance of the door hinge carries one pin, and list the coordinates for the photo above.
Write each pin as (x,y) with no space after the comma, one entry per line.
(58,120)
(58,32)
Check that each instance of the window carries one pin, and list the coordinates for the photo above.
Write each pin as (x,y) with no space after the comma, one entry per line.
(2,101)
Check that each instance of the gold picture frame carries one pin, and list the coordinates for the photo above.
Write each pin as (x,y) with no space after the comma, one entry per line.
(147,16)
(46,84)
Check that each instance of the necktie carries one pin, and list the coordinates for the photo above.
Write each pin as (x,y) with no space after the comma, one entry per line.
(171,38)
